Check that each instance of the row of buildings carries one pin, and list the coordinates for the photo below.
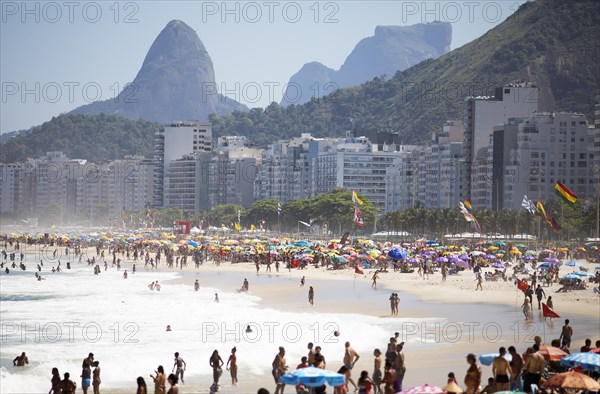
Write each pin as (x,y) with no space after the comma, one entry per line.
(502,149)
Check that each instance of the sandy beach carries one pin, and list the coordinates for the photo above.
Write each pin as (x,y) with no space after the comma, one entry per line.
(439,321)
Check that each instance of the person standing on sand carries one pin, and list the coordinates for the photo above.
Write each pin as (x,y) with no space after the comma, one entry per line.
(473,375)
(141,386)
(311,354)
(377,375)
(279,367)
(534,367)
(86,377)
(516,367)
(96,377)
(566,334)
(350,358)
(302,282)
(68,386)
(196,288)
(232,366)
(180,365)
(400,367)
(501,371)
(311,295)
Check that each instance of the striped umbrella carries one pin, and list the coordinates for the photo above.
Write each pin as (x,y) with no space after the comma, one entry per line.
(425,389)
(587,361)
(572,380)
(313,377)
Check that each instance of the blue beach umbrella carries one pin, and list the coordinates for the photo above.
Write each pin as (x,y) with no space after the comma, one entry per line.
(313,377)
(193,243)
(574,263)
(588,361)
(397,253)
(488,359)
(582,273)
(571,276)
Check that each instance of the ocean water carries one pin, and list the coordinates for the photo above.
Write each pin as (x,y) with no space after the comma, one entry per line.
(58,321)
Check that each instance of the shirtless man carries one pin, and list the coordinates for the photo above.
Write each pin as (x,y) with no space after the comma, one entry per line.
(534,366)
(566,335)
(311,354)
(501,371)
(516,366)
(279,368)
(181,366)
(21,360)
(350,358)
(374,279)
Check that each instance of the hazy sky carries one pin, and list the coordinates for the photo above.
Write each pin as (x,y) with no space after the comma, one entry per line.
(55,56)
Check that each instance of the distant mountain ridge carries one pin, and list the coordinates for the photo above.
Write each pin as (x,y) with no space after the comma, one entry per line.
(551,43)
(390,49)
(176,82)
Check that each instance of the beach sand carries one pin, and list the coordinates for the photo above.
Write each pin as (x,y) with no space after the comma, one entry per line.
(467,320)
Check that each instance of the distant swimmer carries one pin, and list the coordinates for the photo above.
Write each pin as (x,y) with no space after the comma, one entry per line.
(248,329)
(125,274)
(196,288)
(168,327)
(21,360)
(151,286)
(156,286)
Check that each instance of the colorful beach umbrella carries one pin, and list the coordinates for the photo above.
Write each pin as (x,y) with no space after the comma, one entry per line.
(588,361)
(574,263)
(552,353)
(313,377)
(572,380)
(582,273)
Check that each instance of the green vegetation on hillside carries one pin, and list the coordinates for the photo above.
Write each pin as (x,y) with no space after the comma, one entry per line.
(550,42)
(95,138)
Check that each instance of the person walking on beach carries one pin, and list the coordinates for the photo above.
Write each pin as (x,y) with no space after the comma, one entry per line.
(232,366)
(479,280)
(374,278)
(473,375)
(311,295)
(302,282)
(160,380)
(539,292)
(216,363)
(501,371)
(196,288)
(96,377)
(350,358)
(180,365)
(566,334)
(279,367)
(526,308)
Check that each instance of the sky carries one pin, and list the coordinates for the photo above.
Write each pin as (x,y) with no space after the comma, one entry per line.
(58,55)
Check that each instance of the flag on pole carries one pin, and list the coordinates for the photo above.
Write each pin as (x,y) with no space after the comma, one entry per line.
(358,219)
(548,312)
(468,206)
(237,226)
(528,205)
(553,224)
(521,285)
(344,239)
(357,201)
(563,192)
(539,210)
(585,207)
